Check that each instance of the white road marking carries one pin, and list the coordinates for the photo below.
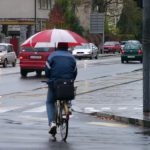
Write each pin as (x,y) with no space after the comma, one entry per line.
(122,108)
(34,118)
(105,108)
(37,118)
(37,109)
(137,108)
(108,124)
(90,110)
(6,109)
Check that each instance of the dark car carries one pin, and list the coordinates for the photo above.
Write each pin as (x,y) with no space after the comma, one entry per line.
(33,59)
(111,47)
(132,51)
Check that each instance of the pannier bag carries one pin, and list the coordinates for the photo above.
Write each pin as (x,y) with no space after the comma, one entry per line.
(64,89)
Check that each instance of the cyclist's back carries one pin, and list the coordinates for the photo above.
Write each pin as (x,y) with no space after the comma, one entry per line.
(62,65)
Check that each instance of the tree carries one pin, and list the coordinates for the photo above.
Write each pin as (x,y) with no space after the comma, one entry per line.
(63,15)
(103,6)
(56,17)
(139,3)
(131,19)
(112,10)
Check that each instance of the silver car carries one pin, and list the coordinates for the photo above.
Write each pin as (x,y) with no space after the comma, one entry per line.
(86,51)
(7,55)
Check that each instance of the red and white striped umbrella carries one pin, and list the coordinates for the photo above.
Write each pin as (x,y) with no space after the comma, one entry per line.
(50,38)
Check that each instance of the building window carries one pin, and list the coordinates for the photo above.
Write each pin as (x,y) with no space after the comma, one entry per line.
(45,4)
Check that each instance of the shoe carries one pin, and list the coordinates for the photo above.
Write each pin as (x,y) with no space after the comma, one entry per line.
(52,128)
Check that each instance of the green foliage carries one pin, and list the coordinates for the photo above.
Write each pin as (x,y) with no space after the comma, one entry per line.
(68,8)
(100,4)
(130,20)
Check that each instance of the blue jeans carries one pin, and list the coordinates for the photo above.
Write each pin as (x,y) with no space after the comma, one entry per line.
(50,106)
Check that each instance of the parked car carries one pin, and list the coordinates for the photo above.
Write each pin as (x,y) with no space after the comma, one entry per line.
(132,51)
(7,55)
(33,59)
(122,43)
(111,47)
(86,51)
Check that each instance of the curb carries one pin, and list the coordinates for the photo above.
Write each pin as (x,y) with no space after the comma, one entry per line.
(123,119)
(132,121)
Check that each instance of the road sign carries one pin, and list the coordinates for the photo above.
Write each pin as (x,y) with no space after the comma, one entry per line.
(97,22)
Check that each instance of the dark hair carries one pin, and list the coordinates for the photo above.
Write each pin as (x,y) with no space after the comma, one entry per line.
(62,46)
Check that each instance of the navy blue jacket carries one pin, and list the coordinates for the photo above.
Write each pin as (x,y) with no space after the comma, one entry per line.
(61,65)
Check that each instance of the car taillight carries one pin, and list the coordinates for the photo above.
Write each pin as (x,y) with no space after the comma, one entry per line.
(139,51)
(21,57)
(122,52)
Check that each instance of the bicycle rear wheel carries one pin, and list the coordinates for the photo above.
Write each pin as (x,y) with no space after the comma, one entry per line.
(64,123)
(64,129)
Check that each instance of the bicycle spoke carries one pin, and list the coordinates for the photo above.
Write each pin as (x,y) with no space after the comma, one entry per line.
(64,129)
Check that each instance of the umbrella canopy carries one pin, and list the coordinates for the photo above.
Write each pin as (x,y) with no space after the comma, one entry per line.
(50,38)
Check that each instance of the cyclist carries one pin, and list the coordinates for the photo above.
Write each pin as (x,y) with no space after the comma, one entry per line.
(60,65)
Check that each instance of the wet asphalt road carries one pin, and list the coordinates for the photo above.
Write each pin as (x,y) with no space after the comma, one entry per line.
(87,70)
(85,133)
(23,121)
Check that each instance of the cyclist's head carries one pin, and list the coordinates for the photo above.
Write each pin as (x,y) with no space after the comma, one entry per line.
(62,46)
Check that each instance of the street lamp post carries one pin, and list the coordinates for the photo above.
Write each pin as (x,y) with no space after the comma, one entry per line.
(35,16)
(146,55)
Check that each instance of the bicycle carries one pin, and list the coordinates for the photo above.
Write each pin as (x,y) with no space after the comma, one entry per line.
(62,114)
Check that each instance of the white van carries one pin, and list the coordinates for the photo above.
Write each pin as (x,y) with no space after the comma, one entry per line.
(7,55)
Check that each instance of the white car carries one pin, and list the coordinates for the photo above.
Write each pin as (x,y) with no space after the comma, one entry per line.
(7,55)
(86,51)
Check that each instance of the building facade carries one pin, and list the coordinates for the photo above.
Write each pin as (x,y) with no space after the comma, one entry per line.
(22,18)
(112,14)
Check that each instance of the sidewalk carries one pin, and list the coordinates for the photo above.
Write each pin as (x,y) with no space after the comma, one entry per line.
(119,98)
